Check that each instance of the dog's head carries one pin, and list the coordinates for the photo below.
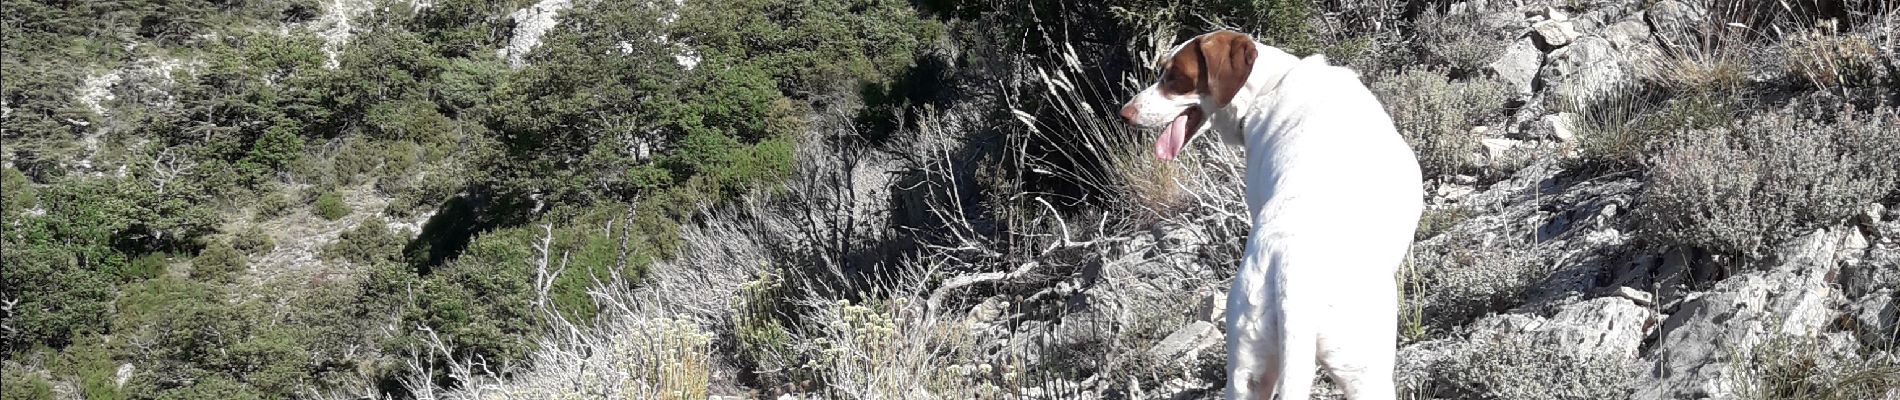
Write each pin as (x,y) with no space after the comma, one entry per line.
(1198,77)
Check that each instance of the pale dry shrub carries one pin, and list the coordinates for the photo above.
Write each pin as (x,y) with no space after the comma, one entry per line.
(1806,368)
(1457,280)
(887,350)
(1459,41)
(1739,191)
(1509,367)
(628,357)
(1436,115)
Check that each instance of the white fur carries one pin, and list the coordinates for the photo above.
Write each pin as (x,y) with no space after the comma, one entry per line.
(1335,195)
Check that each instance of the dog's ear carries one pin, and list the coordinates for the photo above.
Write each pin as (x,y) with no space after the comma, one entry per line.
(1227,58)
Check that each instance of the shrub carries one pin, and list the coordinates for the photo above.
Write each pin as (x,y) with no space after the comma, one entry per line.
(1461,42)
(1437,220)
(330,206)
(145,267)
(90,360)
(273,204)
(16,192)
(1459,284)
(17,384)
(1775,177)
(253,241)
(1436,115)
(219,262)
(1513,368)
(1789,368)
(1828,59)
(370,242)
(192,343)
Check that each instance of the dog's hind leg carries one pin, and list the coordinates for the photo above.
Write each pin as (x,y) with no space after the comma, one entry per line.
(1297,363)
(1359,346)
(1254,346)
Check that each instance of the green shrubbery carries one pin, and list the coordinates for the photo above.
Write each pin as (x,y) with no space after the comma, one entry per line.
(17,384)
(417,108)
(329,205)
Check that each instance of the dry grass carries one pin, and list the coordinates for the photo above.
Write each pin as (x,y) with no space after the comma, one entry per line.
(1829,60)
(1790,368)
(1713,53)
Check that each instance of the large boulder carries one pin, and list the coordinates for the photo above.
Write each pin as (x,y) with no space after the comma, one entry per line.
(1518,66)
(1677,23)
(1702,346)
(1604,327)
(1585,70)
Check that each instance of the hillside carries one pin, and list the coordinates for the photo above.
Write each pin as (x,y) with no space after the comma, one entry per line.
(886,199)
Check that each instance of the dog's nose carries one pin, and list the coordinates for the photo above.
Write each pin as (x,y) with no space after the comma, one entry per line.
(1128,113)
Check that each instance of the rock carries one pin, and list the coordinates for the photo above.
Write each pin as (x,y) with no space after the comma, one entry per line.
(1878,269)
(1505,152)
(1632,39)
(1676,23)
(123,374)
(1601,327)
(1553,33)
(531,23)
(1876,318)
(1641,298)
(1187,343)
(1558,127)
(1213,307)
(1518,66)
(1583,71)
(1701,345)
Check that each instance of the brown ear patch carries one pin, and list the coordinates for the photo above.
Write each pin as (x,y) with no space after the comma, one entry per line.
(1227,60)
(1181,73)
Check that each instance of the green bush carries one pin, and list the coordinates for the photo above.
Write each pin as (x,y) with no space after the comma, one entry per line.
(1460,42)
(193,343)
(1789,368)
(219,262)
(16,192)
(330,206)
(370,242)
(91,362)
(17,384)
(273,204)
(145,267)
(253,241)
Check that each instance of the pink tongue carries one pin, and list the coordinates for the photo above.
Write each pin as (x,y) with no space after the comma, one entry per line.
(1172,138)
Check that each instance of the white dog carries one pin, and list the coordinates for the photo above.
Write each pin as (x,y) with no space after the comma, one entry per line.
(1334,193)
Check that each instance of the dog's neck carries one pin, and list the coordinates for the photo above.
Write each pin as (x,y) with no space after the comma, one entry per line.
(1270,68)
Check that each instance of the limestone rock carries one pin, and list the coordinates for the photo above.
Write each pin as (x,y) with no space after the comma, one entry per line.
(1676,23)
(1518,66)
(1187,343)
(1554,33)
(531,23)
(1585,70)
